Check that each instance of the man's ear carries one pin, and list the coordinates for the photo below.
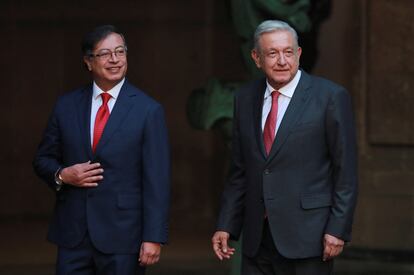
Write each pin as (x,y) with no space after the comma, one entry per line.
(256,58)
(298,52)
(87,61)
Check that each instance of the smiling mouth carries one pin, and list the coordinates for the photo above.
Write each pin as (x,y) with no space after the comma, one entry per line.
(114,69)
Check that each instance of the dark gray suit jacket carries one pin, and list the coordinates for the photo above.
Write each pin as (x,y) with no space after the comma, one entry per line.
(307,185)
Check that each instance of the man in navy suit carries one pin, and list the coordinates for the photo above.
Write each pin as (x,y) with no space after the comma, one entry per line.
(105,153)
(293,177)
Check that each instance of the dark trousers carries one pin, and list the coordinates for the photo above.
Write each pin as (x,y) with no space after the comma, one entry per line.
(85,259)
(269,261)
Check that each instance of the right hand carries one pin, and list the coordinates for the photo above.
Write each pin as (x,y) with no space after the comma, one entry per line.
(85,174)
(220,245)
(149,253)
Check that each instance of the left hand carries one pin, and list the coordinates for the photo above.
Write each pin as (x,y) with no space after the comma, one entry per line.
(332,247)
(149,253)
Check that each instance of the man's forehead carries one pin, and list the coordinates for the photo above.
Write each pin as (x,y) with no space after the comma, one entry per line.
(276,35)
(111,40)
(277,39)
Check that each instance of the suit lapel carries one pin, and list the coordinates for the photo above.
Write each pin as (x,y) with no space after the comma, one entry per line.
(257,115)
(119,111)
(84,119)
(292,114)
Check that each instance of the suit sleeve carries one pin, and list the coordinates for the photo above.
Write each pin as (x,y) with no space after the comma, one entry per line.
(156,177)
(232,202)
(47,159)
(343,151)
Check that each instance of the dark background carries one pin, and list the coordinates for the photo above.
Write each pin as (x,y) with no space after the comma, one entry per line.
(175,46)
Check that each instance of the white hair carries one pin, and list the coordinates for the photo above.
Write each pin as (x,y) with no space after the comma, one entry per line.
(272,26)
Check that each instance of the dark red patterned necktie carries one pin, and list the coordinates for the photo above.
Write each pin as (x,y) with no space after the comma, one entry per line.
(100,120)
(270,125)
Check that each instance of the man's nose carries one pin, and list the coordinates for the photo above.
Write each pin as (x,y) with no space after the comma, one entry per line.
(114,57)
(281,60)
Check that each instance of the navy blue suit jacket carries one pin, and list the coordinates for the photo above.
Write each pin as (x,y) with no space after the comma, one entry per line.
(307,186)
(130,205)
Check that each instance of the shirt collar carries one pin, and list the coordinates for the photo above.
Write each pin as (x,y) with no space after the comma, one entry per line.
(286,90)
(114,92)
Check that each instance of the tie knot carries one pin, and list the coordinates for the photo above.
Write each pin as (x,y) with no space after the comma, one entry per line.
(275,94)
(105,97)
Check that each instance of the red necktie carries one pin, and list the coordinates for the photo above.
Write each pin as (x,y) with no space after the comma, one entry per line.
(100,120)
(270,125)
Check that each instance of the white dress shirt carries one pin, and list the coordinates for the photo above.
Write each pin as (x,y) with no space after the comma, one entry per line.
(97,101)
(286,93)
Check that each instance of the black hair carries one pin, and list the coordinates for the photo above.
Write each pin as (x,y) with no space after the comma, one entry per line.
(93,37)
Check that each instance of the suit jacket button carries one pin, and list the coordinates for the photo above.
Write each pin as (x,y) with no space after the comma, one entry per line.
(266,171)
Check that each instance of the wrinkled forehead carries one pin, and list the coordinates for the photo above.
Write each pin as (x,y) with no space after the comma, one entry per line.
(277,39)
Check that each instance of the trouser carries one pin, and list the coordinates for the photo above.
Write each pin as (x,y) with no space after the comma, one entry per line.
(269,261)
(85,259)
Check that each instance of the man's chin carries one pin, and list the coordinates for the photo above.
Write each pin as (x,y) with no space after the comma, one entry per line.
(115,78)
(280,82)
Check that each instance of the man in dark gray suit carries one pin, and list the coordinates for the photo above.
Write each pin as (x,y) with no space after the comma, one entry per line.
(293,176)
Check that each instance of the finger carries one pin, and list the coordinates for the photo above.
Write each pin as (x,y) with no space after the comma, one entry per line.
(224,246)
(94,165)
(84,163)
(333,250)
(84,185)
(152,260)
(90,166)
(88,176)
(143,260)
(220,255)
(216,247)
(148,261)
(91,180)
(93,172)
(326,252)
(228,254)
(336,251)
(331,253)
(217,251)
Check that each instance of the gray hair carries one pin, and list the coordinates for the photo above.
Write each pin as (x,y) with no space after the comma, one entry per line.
(272,26)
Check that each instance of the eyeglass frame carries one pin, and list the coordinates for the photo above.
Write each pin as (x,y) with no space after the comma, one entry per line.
(100,56)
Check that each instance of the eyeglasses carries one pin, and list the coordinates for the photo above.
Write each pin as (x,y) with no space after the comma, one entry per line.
(105,54)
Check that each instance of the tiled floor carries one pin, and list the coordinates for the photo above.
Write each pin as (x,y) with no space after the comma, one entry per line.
(24,251)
